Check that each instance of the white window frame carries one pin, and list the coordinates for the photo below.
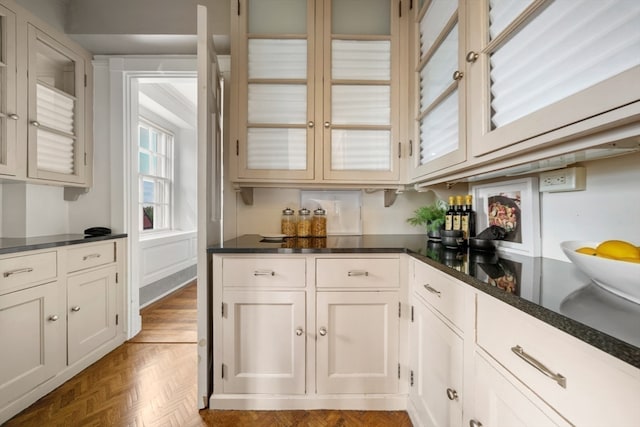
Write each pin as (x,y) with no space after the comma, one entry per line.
(162,202)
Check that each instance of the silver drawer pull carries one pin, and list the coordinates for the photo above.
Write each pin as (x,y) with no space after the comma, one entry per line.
(86,257)
(519,351)
(264,273)
(354,273)
(18,271)
(53,318)
(432,290)
(75,309)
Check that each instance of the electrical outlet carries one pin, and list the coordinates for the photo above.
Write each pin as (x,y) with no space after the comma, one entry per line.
(568,179)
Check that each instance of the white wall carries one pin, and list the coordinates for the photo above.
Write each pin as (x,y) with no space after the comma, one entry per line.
(30,210)
(53,12)
(184,189)
(609,208)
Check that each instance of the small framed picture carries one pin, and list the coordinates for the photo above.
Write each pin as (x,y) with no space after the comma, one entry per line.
(515,206)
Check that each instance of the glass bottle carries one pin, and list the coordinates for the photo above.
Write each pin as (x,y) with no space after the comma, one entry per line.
(304,223)
(458,214)
(288,222)
(448,218)
(319,223)
(468,224)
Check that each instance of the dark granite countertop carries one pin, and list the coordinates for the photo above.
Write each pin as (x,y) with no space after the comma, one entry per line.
(553,291)
(16,244)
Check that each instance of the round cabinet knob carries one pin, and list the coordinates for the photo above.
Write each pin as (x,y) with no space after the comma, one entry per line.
(53,318)
(457,75)
(322,331)
(299,331)
(75,309)
(327,125)
(472,57)
(311,124)
(13,116)
(452,394)
(35,123)
(474,423)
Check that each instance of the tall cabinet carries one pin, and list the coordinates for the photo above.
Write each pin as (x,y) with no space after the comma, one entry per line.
(316,93)
(8,101)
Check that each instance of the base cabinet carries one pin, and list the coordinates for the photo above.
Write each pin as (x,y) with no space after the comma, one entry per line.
(32,337)
(61,309)
(264,342)
(357,342)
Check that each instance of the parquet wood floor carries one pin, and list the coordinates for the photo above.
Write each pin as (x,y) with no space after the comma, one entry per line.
(151,381)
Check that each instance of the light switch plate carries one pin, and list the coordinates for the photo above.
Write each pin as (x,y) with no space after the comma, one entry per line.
(567,179)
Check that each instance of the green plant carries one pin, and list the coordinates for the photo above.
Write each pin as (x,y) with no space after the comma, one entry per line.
(430,217)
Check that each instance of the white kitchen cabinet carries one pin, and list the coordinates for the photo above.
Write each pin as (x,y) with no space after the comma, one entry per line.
(91,311)
(61,309)
(46,117)
(499,403)
(436,360)
(440,85)
(357,342)
(8,99)
(316,92)
(540,66)
(264,340)
(32,334)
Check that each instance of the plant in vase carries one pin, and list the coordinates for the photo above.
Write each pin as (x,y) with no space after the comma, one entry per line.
(430,217)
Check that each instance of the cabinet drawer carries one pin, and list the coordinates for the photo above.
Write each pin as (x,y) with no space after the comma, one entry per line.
(19,272)
(441,292)
(358,273)
(87,256)
(585,385)
(264,272)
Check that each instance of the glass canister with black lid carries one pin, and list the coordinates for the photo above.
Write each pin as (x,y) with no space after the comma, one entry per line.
(288,223)
(319,223)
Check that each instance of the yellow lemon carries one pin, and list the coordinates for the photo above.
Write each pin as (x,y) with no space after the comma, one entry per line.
(617,249)
(586,251)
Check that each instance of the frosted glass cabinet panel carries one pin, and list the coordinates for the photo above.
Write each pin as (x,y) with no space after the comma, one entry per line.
(56,110)
(542,66)
(8,101)
(440,82)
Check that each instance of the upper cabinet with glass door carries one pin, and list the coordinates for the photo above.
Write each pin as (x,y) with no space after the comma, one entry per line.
(541,65)
(439,85)
(316,93)
(8,101)
(57,134)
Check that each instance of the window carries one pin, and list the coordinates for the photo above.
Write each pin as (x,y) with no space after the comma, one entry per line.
(155,176)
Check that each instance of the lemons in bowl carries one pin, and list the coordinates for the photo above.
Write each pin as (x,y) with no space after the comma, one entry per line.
(613,265)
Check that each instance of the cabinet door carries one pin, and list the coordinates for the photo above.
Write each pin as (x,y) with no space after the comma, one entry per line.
(31,338)
(359,84)
(440,86)
(91,305)
(264,342)
(56,135)
(8,106)
(357,342)
(498,403)
(275,72)
(545,65)
(436,361)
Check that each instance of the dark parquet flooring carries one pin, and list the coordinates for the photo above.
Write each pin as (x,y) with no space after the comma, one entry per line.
(151,381)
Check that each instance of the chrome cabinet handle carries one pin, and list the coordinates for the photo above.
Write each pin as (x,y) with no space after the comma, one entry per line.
(457,75)
(323,331)
(35,123)
(53,318)
(86,257)
(472,57)
(519,351)
(75,309)
(13,116)
(310,124)
(17,271)
(474,423)
(327,125)
(264,273)
(299,331)
(432,290)
(354,273)
(452,394)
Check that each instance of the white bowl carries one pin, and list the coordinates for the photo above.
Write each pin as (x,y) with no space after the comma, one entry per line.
(620,277)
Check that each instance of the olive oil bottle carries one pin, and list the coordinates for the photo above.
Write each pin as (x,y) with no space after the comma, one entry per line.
(448,216)
(468,218)
(457,217)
